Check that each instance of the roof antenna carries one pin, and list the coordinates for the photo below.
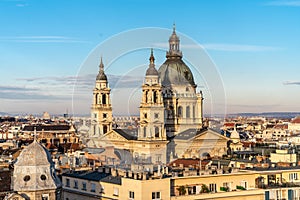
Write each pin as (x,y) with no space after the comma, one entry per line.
(174,27)
(34,134)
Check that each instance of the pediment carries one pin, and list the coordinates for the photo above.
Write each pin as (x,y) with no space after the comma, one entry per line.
(210,135)
(113,136)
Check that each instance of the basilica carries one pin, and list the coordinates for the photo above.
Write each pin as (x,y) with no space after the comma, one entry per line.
(171,115)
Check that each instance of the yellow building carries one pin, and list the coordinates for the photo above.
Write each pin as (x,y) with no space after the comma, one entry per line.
(284,156)
(256,184)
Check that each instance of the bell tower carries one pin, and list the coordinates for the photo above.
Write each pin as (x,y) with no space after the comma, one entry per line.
(152,107)
(101,110)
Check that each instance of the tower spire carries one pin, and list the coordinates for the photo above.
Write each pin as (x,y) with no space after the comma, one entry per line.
(151,57)
(101,74)
(101,66)
(174,28)
(151,71)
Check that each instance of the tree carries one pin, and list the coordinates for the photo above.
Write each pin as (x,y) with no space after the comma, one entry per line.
(181,189)
(204,189)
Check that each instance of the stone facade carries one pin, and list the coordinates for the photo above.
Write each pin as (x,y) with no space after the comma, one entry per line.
(34,175)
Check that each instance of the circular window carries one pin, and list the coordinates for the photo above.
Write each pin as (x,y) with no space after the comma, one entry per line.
(43,177)
(26,178)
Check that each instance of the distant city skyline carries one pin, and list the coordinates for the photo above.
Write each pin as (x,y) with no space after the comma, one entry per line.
(254,46)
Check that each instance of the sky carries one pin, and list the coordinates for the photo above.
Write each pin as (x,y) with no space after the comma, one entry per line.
(50,52)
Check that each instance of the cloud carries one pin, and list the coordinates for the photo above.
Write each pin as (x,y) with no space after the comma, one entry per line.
(117,81)
(30,96)
(291,83)
(223,47)
(87,81)
(239,47)
(16,88)
(41,38)
(165,45)
(22,4)
(17,92)
(283,3)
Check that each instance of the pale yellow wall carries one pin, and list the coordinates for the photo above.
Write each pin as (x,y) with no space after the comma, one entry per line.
(233,179)
(68,191)
(283,156)
(238,195)
(142,189)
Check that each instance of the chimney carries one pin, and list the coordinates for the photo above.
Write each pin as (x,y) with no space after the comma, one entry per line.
(135,176)
(100,169)
(113,172)
(130,174)
(145,176)
(107,170)
(158,170)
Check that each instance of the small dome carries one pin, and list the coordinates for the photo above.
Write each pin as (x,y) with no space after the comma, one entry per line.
(34,155)
(151,71)
(101,77)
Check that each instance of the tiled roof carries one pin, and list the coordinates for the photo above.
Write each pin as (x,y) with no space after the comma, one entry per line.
(296,120)
(229,124)
(112,179)
(126,134)
(222,162)
(187,162)
(40,127)
(189,133)
(92,176)
(281,126)
(269,126)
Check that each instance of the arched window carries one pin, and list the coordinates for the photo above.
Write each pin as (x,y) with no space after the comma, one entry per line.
(96,99)
(154,97)
(145,132)
(188,114)
(95,129)
(194,112)
(156,130)
(179,111)
(104,99)
(146,96)
(104,129)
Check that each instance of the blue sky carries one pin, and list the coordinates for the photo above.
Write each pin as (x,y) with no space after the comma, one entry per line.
(44,46)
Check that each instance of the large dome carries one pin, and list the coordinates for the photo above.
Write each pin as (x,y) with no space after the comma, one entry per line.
(175,71)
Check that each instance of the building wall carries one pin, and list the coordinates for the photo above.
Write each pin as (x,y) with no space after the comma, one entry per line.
(294,126)
(283,156)
(142,189)
(72,193)
(247,180)
(236,195)
(37,195)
